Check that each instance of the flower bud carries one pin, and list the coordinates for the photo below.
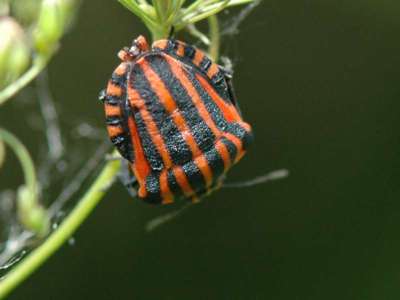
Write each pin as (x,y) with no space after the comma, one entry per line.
(26,201)
(31,214)
(26,11)
(39,221)
(54,17)
(14,51)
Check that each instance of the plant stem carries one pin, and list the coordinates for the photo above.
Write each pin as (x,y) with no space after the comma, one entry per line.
(160,33)
(24,158)
(213,49)
(88,202)
(38,65)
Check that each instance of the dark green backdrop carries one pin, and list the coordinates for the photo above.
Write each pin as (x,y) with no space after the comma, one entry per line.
(319,82)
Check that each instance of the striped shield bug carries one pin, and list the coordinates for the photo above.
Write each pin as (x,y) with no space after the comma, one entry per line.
(171,112)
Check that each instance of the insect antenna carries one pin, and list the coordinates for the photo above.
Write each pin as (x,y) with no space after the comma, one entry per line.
(274,175)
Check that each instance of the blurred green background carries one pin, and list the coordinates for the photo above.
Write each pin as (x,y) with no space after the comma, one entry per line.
(319,82)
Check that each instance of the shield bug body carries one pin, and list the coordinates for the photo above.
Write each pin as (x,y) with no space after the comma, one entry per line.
(171,112)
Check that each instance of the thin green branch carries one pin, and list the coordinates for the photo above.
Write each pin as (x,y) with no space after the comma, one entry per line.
(213,49)
(192,29)
(161,8)
(195,5)
(239,2)
(24,158)
(205,12)
(85,206)
(30,213)
(144,12)
(165,14)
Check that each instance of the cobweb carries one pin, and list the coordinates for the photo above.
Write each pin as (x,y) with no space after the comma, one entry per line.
(61,166)
(58,169)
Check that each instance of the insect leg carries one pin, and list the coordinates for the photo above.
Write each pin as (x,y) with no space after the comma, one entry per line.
(128,179)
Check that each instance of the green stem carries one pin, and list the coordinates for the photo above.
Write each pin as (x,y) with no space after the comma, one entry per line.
(24,158)
(160,33)
(38,65)
(214,37)
(88,202)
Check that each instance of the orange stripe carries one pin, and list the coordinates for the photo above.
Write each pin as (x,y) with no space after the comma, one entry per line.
(178,72)
(168,102)
(114,130)
(204,168)
(198,57)
(121,69)
(141,43)
(114,90)
(222,150)
(141,167)
(166,194)
(204,114)
(136,101)
(212,70)
(229,111)
(181,49)
(161,44)
(182,181)
(238,144)
(112,110)
(224,153)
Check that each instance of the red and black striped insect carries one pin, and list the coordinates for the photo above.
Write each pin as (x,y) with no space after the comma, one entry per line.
(171,112)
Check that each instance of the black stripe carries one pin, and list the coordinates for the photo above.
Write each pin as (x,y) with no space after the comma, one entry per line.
(217,81)
(189,52)
(212,108)
(201,133)
(118,80)
(218,78)
(113,120)
(108,99)
(126,152)
(123,145)
(112,100)
(123,141)
(173,139)
(231,148)
(215,162)
(220,85)
(173,184)
(118,140)
(205,64)
(241,133)
(195,177)
(170,46)
(176,46)
(151,153)
(153,189)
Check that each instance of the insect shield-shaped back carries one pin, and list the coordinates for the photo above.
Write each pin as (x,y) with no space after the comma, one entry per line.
(170,112)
